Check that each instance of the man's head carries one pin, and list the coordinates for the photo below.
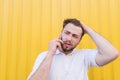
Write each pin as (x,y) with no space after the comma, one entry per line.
(74,22)
(71,34)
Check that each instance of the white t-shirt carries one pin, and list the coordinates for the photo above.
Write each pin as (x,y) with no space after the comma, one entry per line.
(73,66)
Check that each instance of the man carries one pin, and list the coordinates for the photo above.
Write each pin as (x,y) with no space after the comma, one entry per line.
(63,62)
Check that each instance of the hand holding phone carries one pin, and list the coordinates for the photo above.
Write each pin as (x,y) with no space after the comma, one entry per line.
(55,44)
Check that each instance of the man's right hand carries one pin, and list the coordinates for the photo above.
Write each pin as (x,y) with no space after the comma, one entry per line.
(54,45)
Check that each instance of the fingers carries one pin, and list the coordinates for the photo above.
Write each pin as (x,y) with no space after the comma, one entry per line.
(59,40)
(85,27)
(59,45)
(54,44)
(82,24)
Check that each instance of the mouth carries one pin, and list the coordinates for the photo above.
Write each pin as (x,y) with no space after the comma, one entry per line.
(67,44)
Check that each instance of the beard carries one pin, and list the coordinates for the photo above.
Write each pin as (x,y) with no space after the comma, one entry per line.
(67,48)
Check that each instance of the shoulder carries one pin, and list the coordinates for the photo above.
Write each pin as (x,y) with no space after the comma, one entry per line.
(39,59)
(87,51)
(90,56)
(42,54)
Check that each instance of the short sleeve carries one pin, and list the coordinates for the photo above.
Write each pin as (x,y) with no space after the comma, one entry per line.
(37,63)
(90,57)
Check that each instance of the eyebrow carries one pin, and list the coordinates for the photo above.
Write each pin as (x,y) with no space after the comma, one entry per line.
(72,33)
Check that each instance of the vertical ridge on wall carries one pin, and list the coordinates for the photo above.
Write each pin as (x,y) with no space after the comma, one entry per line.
(74,8)
(4,41)
(35,27)
(114,21)
(1,17)
(65,9)
(19,32)
(56,16)
(11,58)
(46,19)
(25,28)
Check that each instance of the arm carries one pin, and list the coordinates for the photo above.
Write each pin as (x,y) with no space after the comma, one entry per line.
(106,51)
(42,72)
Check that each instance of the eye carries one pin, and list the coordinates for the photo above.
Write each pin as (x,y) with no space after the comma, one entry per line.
(66,32)
(75,36)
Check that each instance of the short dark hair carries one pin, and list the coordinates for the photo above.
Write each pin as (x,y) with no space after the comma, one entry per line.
(74,22)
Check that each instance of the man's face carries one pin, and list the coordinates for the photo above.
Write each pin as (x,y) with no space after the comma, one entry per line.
(71,36)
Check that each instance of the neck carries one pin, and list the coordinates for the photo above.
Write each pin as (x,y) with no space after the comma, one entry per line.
(65,52)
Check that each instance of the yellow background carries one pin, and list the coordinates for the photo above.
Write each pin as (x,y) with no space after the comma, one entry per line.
(26,26)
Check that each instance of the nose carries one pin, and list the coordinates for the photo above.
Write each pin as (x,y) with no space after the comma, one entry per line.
(69,37)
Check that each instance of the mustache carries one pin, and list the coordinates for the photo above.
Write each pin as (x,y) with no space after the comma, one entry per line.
(66,42)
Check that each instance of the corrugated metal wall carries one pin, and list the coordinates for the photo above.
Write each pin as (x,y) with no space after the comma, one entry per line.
(26,26)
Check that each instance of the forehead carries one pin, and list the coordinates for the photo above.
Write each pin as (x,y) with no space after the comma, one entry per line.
(73,29)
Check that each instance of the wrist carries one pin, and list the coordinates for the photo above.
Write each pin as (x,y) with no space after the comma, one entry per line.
(89,31)
(51,52)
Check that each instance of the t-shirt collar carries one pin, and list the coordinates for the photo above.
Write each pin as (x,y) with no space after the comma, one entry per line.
(59,52)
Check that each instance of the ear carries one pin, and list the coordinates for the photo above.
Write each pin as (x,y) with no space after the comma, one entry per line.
(80,39)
